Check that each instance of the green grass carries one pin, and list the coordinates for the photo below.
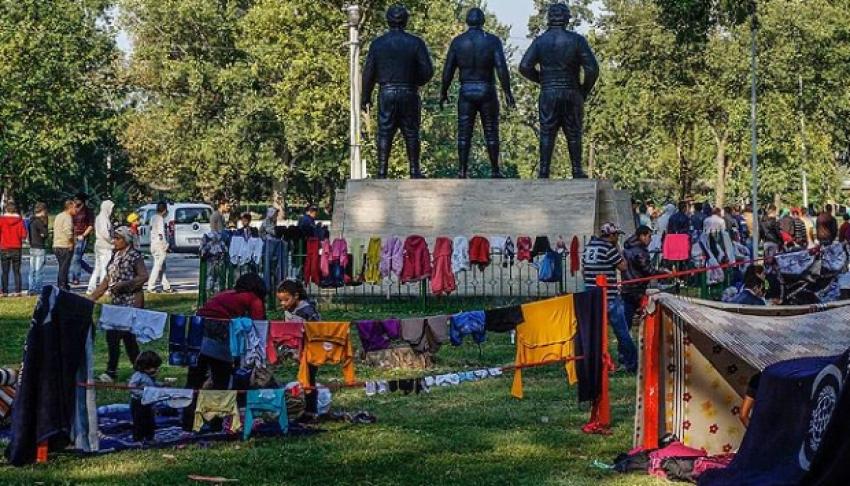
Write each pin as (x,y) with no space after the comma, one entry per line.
(471,434)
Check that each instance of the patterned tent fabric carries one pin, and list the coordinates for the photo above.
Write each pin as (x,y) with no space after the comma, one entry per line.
(706,353)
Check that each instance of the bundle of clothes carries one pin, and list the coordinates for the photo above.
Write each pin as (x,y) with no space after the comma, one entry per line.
(672,460)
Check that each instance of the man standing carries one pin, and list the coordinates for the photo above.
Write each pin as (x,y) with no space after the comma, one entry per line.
(714,223)
(844,230)
(639,265)
(159,248)
(602,257)
(826,226)
(83,227)
(559,54)
(800,234)
(38,233)
(400,63)
(63,242)
(13,232)
(477,54)
(307,222)
(217,222)
(102,244)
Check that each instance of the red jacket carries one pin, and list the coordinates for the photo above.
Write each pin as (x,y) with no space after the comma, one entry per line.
(479,251)
(443,281)
(12,232)
(417,260)
(523,248)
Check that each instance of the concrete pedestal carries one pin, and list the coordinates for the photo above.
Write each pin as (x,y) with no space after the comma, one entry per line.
(453,207)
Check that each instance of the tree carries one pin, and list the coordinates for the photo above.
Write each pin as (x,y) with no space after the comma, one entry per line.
(58,96)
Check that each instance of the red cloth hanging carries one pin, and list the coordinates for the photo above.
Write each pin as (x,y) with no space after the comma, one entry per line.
(479,251)
(523,248)
(417,260)
(443,280)
(575,260)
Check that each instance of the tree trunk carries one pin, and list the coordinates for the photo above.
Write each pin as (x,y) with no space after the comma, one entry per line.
(720,165)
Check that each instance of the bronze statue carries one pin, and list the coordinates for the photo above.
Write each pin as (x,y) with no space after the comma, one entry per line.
(477,54)
(560,54)
(400,63)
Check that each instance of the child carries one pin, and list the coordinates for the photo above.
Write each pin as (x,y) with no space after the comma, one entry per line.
(147,366)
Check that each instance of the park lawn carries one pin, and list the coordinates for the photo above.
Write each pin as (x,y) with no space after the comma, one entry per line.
(474,433)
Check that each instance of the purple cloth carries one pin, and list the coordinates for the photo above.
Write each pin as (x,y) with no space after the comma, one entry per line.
(376,335)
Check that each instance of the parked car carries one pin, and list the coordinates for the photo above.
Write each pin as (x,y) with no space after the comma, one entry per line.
(186,224)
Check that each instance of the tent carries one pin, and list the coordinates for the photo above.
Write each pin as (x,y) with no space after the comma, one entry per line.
(698,356)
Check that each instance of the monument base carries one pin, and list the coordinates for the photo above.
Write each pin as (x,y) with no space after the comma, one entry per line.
(487,207)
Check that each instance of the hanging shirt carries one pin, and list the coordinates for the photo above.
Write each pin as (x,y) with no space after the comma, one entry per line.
(467,323)
(545,335)
(285,339)
(443,279)
(372,274)
(326,343)
(146,325)
(503,319)
(460,254)
(216,403)
(265,401)
(425,334)
(392,253)
(376,335)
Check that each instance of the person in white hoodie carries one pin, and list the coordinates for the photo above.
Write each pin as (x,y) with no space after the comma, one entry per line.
(102,244)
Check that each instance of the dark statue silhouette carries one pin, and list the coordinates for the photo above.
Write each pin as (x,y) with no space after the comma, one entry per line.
(554,61)
(477,55)
(400,63)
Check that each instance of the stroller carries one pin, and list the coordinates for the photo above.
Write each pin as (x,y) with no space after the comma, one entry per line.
(810,276)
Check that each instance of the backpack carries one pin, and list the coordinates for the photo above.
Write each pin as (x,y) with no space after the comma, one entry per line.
(550,268)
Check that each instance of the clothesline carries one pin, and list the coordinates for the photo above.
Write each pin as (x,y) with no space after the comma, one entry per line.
(330,386)
(683,273)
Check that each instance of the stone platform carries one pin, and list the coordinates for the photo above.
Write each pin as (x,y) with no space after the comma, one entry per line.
(453,207)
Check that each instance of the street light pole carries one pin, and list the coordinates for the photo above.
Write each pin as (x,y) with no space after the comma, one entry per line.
(358,169)
(754,134)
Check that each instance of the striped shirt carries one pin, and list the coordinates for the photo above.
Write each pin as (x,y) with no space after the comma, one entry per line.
(601,258)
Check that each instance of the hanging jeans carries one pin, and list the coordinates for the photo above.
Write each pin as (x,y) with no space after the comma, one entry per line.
(159,252)
(627,353)
(101,261)
(78,264)
(36,275)
(11,263)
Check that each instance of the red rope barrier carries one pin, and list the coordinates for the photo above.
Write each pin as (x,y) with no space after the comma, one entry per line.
(685,273)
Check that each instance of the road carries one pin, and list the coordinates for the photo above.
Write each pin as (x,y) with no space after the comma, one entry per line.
(182,272)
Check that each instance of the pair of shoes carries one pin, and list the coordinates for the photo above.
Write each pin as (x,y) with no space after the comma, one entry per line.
(105,378)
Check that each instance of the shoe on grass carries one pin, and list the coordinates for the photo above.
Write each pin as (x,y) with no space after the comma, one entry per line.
(105,378)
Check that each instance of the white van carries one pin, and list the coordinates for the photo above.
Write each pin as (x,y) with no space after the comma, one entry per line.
(187,223)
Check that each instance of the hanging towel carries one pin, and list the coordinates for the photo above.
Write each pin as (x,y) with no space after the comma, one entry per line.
(372,274)
(546,334)
(443,280)
(460,254)
(146,325)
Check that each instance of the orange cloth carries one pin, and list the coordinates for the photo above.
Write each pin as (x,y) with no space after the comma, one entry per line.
(326,343)
(546,335)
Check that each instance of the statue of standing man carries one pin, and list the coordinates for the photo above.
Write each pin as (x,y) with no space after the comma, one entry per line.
(477,54)
(400,63)
(554,60)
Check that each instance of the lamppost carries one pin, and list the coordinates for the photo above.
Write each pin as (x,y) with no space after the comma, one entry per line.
(754,134)
(358,168)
